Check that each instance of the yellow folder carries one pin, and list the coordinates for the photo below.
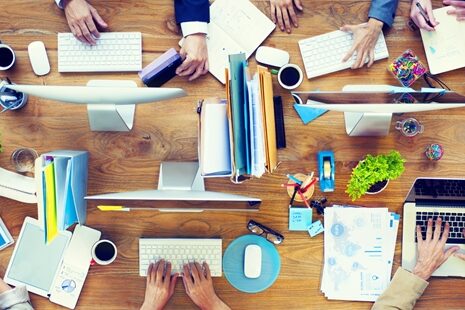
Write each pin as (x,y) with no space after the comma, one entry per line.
(50,203)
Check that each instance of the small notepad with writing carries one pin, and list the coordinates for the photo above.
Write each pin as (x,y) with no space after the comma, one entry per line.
(299,218)
(445,46)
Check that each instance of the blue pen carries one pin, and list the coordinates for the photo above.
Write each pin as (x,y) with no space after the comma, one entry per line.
(292,178)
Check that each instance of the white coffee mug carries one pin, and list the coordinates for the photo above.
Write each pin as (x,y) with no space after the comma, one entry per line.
(104,252)
(290,76)
(7,57)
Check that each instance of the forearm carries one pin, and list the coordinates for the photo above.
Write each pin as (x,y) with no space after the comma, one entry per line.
(403,292)
(383,10)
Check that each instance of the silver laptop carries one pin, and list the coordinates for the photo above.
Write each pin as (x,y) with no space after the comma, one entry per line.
(430,198)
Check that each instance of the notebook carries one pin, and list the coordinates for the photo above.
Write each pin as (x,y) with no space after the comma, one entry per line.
(445,47)
(235,27)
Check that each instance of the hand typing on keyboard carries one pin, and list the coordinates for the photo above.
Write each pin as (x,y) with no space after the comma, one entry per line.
(431,251)
(160,285)
(83,20)
(197,282)
(365,38)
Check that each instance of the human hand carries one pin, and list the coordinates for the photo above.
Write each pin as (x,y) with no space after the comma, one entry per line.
(199,287)
(461,255)
(81,16)
(365,37)
(195,56)
(160,285)
(431,252)
(458,8)
(282,12)
(418,18)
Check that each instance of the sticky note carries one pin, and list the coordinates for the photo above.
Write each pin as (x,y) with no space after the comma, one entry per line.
(315,228)
(300,218)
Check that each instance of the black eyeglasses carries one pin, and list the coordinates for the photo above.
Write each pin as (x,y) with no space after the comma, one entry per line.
(269,234)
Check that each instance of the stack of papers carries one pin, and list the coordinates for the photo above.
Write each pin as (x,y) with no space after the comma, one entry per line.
(359,246)
(251,119)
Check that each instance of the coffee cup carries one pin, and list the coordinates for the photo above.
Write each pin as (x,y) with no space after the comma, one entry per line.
(290,76)
(104,252)
(7,57)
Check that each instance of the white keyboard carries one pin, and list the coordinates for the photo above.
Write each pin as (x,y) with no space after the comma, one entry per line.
(323,54)
(114,52)
(179,252)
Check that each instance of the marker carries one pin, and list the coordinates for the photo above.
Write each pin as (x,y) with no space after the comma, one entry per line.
(424,14)
(293,178)
(113,208)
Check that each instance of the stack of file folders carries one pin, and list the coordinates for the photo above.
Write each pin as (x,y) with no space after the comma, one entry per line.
(359,246)
(61,178)
(237,136)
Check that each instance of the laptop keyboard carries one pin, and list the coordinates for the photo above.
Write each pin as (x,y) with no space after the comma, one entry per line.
(455,220)
(449,188)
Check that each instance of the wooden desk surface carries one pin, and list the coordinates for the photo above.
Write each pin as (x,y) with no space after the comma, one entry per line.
(167,131)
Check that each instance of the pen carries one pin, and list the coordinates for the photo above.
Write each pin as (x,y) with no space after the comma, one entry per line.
(293,196)
(293,178)
(304,199)
(424,14)
(113,208)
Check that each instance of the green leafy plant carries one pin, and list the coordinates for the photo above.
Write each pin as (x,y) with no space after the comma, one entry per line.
(374,169)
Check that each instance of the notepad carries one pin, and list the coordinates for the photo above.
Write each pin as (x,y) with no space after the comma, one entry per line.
(300,219)
(235,27)
(445,47)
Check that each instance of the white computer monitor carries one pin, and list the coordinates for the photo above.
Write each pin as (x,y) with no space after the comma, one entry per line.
(369,113)
(181,188)
(111,104)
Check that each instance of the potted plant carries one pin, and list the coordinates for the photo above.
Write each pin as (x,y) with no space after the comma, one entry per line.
(372,174)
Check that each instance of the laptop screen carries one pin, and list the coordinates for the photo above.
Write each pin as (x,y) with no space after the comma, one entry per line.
(437,189)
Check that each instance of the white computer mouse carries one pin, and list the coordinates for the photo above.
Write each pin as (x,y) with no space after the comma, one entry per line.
(38,58)
(272,56)
(252,261)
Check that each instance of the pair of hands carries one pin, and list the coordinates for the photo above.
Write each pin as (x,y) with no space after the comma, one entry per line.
(283,12)
(457,9)
(431,251)
(197,284)
(84,22)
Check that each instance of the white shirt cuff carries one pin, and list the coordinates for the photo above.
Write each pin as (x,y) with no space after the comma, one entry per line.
(189,28)
(59,3)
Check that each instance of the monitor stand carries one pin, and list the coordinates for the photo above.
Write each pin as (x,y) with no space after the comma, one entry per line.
(182,176)
(367,124)
(108,116)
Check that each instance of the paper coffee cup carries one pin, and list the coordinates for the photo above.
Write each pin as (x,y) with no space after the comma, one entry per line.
(104,252)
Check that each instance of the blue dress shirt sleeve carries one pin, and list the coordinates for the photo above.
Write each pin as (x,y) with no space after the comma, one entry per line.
(383,10)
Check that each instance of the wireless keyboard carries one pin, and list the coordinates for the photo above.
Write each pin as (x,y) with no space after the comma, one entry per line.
(114,52)
(179,252)
(323,54)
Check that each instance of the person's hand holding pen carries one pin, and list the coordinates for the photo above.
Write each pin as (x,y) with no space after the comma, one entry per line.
(422,15)
(458,8)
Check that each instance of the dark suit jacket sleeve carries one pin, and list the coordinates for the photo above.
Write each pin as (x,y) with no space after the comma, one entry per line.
(192,11)
(383,10)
